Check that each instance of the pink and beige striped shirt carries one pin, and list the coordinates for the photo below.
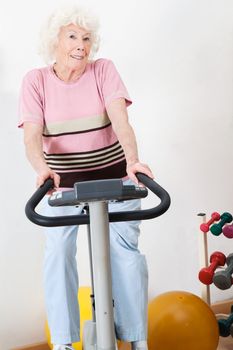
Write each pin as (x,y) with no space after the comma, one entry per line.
(78,140)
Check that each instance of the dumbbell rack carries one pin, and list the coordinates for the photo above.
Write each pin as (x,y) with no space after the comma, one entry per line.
(221,279)
(203,258)
(204,262)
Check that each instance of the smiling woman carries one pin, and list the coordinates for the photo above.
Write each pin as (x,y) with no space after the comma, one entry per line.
(64,17)
(72,52)
(75,121)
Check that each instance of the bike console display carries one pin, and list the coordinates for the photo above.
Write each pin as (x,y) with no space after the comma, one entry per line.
(101,190)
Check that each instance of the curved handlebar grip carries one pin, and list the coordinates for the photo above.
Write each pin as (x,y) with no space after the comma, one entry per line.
(83,219)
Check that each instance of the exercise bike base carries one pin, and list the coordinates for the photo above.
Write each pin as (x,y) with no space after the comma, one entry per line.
(89,337)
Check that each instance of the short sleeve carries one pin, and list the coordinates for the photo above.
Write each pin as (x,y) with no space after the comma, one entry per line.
(112,85)
(30,99)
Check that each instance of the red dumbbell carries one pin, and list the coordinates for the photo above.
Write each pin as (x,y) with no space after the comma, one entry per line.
(228,231)
(206,226)
(207,273)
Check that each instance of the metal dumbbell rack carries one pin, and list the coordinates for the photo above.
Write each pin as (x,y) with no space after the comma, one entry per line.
(216,229)
(203,258)
(204,263)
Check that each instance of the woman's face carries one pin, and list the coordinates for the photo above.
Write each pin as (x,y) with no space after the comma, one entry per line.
(73,47)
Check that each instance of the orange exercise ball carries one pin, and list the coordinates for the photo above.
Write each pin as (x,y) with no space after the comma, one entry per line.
(181,321)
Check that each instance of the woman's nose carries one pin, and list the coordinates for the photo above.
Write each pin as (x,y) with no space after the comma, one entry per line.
(80,45)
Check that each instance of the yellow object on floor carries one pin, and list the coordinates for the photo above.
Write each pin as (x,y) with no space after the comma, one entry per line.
(181,321)
(85,315)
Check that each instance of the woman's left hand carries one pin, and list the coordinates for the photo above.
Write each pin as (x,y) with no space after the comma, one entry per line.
(138,167)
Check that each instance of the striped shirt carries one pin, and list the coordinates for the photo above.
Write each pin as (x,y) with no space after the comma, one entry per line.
(78,140)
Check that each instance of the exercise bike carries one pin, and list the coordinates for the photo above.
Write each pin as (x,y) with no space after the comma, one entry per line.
(98,333)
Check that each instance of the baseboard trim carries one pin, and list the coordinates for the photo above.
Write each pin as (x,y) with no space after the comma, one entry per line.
(37,346)
(222,307)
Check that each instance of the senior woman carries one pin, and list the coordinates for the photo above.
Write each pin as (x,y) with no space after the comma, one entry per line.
(76,128)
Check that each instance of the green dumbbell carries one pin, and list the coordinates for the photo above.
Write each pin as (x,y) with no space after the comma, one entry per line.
(225,326)
(216,229)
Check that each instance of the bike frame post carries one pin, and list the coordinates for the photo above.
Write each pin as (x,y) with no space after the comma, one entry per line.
(100,246)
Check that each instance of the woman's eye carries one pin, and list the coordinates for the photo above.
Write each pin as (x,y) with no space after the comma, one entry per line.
(86,39)
(72,36)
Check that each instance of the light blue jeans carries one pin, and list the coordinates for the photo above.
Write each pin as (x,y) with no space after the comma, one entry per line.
(129,277)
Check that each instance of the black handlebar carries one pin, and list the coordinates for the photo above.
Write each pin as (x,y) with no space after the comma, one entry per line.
(83,219)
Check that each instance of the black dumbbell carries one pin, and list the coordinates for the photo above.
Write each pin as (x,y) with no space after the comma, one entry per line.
(223,279)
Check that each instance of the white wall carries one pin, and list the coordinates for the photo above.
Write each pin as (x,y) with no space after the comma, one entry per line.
(176,58)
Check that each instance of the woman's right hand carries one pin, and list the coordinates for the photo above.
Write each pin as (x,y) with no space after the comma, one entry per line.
(47,173)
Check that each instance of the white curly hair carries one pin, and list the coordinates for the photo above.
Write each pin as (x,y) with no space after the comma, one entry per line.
(61,17)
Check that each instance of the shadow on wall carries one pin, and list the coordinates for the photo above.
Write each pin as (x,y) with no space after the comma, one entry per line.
(11,138)
(15,171)
(18,245)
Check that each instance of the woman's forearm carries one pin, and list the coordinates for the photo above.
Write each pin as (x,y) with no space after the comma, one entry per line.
(35,155)
(33,146)
(127,139)
(118,115)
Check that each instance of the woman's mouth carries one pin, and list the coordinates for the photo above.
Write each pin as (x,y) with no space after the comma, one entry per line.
(77,57)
